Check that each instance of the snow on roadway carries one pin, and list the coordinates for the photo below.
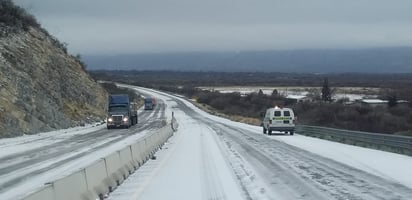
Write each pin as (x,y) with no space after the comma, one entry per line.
(190,166)
(27,179)
(391,166)
(193,164)
(9,146)
(387,165)
(37,182)
(23,143)
(87,155)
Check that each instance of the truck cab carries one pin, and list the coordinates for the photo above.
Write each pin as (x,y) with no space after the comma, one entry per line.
(279,119)
(121,113)
(149,103)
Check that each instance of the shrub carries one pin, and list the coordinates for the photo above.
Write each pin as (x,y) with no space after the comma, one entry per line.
(78,58)
(362,118)
(16,17)
(400,110)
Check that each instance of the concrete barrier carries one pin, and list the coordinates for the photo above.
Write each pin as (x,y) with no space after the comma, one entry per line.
(174,125)
(106,174)
(137,154)
(113,167)
(95,176)
(143,150)
(46,193)
(71,187)
(149,146)
(127,161)
(152,145)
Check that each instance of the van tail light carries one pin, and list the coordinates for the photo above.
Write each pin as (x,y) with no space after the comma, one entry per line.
(270,121)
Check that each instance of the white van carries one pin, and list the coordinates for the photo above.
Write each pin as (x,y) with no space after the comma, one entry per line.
(279,119)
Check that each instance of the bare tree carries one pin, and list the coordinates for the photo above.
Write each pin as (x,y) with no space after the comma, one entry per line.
(260,93)
(326,91)
(275,92)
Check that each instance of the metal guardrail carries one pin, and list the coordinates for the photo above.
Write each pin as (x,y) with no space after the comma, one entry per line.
(386,142)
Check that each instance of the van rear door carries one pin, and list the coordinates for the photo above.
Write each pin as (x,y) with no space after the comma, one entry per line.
(277,117)
(286,117)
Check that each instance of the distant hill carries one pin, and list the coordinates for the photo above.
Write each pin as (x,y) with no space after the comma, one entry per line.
(375,60)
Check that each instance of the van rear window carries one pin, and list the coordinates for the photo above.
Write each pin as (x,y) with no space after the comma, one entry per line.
(286,114)
(277,113)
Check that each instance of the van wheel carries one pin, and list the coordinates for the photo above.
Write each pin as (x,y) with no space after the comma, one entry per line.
(291,133)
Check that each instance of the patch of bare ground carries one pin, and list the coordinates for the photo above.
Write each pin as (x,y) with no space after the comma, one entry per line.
(237,118)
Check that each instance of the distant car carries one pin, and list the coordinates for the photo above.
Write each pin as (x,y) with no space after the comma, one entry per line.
(279,119)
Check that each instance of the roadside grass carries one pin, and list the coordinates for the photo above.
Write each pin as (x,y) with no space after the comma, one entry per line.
(237,118)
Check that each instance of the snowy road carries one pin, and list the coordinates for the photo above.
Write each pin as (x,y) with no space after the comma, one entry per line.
(28,162)
(214,158)
(209,158)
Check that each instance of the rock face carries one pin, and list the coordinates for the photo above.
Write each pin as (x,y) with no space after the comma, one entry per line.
(43,88)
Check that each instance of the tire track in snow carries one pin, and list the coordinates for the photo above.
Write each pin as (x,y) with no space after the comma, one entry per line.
(335,179)
(213,186)
(57,154)
(306,171)
(273,173)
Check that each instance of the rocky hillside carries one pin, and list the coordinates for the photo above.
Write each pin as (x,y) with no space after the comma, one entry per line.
(41,87)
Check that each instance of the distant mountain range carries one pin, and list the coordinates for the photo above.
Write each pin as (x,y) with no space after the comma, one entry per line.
(373,60)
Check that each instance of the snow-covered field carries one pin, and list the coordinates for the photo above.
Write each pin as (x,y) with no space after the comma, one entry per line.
(215,158)
(352,93)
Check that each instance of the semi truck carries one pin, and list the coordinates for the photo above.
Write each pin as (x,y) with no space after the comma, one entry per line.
(149,103)
(121,113)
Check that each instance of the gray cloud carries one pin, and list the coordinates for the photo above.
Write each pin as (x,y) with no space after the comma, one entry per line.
(130,26)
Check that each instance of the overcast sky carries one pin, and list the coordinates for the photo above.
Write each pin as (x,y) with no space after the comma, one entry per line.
(146,26)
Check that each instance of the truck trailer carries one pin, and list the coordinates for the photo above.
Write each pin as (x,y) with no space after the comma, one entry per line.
(149,103)
(121,113)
